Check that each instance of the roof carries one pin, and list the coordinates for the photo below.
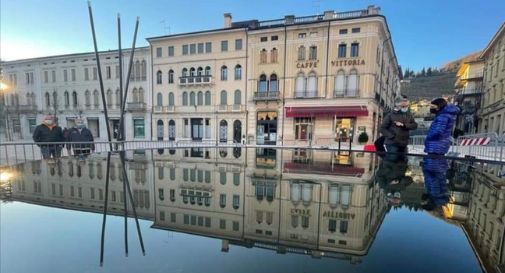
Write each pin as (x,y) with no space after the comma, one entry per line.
(496,36)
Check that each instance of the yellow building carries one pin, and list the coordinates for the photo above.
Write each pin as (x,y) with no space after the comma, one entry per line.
(492,113)
(468,88)
(310,80)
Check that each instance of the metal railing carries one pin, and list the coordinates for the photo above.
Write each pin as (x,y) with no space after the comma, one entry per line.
(267,95)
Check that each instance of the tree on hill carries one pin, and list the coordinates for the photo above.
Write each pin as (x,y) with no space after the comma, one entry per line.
(429,72)
(423,72)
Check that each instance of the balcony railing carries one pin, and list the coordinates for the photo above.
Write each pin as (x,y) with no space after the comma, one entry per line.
(345,93)
(314,18)
(231,108)
(306,94)
(195,80)
(164,109)
(22,108)
(270,95)
(137,106)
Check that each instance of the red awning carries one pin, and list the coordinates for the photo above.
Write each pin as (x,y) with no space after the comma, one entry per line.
(339,111)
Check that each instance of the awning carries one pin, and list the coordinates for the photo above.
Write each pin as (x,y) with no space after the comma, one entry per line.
(315,111)
(323,168)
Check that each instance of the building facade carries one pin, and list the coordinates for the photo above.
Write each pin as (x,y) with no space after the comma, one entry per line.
(468,94)
(315,79)
(492,113)
(67,86)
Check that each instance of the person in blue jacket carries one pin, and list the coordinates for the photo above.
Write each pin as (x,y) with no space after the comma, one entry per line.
(435,182)
(438,140)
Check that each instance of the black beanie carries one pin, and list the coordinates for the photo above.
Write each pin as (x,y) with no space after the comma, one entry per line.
(440,102)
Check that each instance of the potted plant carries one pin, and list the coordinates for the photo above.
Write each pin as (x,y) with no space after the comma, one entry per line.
(363,138)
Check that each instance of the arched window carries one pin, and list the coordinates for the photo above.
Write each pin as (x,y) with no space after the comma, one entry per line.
(55,99)
(171,130)
(207,98)
(223,131)
(353,83)
(224,73)
(87,98)
(273,83)
(109,97)
(224,98)
(263,86)
(159,77)
(171,101)
(312,85)
(144,70)
(170,76)
(237,131)
(301,53)
(238,72)
(137,71)
(48,99)
(118,98)
(273,55)
(132,75)
(237,98)
(28,99)
(184,72)
(141,94)
(66,97)
(135,95)
(199,74)
(263,56)
(74,99)
(192,98)
(340,83)
(199,99)
(185,98)
(313,53)
(96,99)
(207,71)
(300,85)
(159,99)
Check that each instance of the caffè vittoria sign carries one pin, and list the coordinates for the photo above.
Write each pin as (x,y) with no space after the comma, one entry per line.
(339,63)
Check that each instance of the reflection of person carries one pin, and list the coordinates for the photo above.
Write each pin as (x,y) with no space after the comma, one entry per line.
(77,136)
(396,126)
(48,131)
(391,177)
(438,139)
(435,182)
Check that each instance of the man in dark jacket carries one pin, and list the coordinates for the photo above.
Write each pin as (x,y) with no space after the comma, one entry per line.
(396,126)
(438,140)
(48,131)
(77,138)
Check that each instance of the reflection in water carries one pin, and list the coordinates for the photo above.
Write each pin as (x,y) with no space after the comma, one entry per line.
(316,203)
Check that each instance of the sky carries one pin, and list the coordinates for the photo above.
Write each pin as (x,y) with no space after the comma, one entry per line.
(425,32)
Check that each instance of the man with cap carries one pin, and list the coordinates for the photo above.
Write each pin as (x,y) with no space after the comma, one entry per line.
(47,132)
(396,127)
(438,139)
(80,139)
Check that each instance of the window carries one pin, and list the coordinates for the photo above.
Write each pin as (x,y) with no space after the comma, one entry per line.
(224,46)
(32,123)
(352,83)
(66,98)
(208,47)
(53,74)
(199,98)
(235,225)
(86,74)
(184,49)
(171,136)
(313,53)
(48,99)
(274,38)
(108,72)
(95,73)
(263,39)
(342,48)
(345,195)
(222,224)
(343,226)
(332,225)
(200,48)
(274,86)
(224,98)
(354,49)
(305,221)
(302,35)
(158,52)
(170,51)
(192,100)
(74,99)
(263,56)
(207,98)
(273,55)
(73,74)
(300,84)
(46,76)
(96,100)
(238,44)
(303,128)
(236,179)
(301,53)
(184,98)
(192,48)
(224,73)
(340,83)
(159,99)
(356,30)
(238,72)
(223,131)
(159,77)
(236,201)
(222,200)
(342,31)
(138,128)
(170,76)
(237,97)
(65,75)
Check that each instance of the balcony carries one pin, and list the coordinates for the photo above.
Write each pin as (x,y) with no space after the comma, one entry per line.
(270,95)
(346,93)
(231,108)
(137,107)
(195,80)
(164,109)
(306,95)
(22,108)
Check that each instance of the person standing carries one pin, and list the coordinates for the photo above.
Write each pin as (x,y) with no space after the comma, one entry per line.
(396,127)
(80,139)
(438,139)
(48,132)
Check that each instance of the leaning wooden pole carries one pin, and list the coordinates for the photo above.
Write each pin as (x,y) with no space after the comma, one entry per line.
(132,53)
(97,56)
(106,202)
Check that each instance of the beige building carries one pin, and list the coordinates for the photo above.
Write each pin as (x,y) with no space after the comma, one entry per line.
(492,112)
(468,88)
(309,79)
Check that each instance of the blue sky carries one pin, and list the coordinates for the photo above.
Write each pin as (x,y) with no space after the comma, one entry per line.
(425,32)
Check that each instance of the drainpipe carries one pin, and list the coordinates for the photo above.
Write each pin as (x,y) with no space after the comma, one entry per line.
(284,84)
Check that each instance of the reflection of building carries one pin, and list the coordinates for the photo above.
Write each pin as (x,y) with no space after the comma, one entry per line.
(492,113)
(67,86)
(486,216)
(469,89)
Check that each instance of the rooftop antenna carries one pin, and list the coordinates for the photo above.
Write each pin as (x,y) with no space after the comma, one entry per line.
(166,28)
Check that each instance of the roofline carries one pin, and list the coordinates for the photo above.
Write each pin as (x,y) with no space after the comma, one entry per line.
(230,29)
(500,31)
(70,55)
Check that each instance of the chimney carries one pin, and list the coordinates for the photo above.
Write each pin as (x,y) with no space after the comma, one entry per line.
(372,9)
(328,15)
(227,20)
(289,19)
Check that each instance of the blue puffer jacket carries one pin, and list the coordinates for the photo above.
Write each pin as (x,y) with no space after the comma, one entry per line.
(435,179)
(438,139)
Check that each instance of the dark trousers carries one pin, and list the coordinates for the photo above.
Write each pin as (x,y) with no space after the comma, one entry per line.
(395,152)
(53,151)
